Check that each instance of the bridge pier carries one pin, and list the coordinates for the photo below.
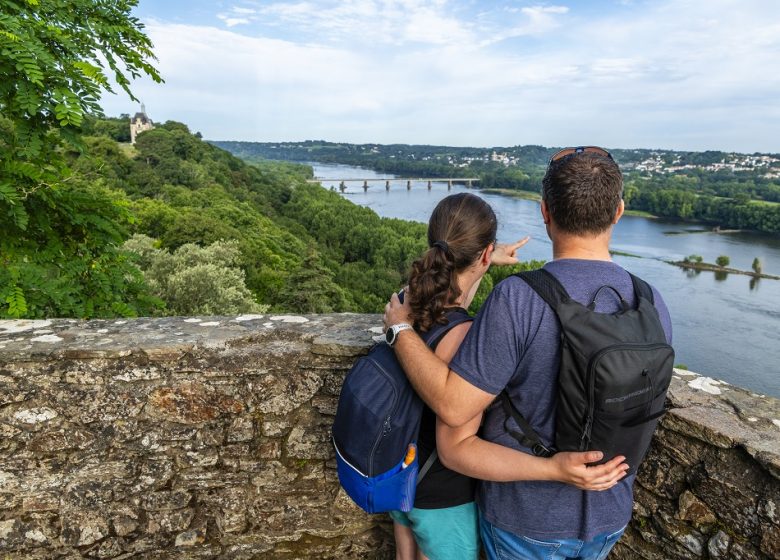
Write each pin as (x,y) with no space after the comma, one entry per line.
(468,183)
(429,185)
(449,185)
(342,186)
(365,186)
(408,185)
(387,185)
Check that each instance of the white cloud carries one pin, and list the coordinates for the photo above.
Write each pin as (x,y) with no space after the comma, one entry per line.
(652,75)
(390,22)
(233,21)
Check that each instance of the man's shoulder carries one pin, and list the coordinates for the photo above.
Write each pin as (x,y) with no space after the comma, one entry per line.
(514,289)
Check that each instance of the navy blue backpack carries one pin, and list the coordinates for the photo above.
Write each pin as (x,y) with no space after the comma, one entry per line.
(377,420)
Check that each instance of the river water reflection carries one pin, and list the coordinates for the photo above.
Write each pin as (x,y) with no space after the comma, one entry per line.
(725,327)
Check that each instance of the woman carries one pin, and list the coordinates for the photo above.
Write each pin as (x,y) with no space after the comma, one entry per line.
(443,523)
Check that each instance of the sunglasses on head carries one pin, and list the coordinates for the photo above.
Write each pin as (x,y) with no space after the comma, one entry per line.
(560,154)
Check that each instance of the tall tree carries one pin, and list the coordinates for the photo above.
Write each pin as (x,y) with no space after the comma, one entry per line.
(59,238)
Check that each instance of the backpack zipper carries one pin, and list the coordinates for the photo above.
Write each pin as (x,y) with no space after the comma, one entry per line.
(591,381)
(385,425)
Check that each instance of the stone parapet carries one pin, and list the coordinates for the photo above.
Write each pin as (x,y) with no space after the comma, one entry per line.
(208,438)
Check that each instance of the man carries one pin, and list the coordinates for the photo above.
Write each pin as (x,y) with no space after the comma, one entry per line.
(513,345)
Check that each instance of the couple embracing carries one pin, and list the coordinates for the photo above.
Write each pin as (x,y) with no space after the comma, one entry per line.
(488,484)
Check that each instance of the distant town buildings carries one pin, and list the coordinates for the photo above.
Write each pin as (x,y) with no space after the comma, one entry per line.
(139,123)
(657,163)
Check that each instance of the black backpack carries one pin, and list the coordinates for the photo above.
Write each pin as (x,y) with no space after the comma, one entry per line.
(377,420)
(614,373)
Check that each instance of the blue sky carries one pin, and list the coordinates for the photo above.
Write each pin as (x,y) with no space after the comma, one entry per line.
(683,74)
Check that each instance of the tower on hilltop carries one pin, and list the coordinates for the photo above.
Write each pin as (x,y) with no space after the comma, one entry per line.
(139,123)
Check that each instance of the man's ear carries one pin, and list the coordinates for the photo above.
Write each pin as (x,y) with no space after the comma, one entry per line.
(619,213)
(545,213)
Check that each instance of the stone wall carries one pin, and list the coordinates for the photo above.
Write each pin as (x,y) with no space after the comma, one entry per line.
(208,438)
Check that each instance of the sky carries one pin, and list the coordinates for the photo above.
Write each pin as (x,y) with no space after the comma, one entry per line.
(682,74)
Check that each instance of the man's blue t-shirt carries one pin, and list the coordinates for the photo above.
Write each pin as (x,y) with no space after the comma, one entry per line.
(514,344)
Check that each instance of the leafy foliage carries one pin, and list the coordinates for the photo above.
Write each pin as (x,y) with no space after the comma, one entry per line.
(301,247)
(723,260)
(59,231)
(68,263)
(195,280)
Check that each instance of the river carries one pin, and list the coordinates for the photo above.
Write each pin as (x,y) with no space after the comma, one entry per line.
(725,327)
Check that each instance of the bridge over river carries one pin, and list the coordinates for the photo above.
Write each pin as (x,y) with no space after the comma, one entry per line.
(468,181)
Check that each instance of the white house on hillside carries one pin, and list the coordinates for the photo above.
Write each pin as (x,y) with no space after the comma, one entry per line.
(139,123)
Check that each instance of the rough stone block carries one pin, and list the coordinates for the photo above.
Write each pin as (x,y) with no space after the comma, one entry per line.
(274,426)
(770,540)
(41,502)
(168,521)
(190,403)
(241,429)
(166,500)
(81,528)
(694,510)
(282,393)
(124,522)
(310,437)
(65,438)
(325,404)
(273,473)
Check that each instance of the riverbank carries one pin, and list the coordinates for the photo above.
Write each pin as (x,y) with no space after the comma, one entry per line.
(525,195)
(713,230)
(535,196)
(716,268)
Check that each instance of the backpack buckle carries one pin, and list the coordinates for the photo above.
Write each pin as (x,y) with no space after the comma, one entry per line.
(541,450)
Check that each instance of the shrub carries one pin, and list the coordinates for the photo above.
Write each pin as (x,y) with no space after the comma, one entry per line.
(722,261)
(195,280)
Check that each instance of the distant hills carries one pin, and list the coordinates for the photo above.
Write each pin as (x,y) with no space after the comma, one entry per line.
(725,189)
(530,155)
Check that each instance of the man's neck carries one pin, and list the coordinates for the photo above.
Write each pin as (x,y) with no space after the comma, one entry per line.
(584,248)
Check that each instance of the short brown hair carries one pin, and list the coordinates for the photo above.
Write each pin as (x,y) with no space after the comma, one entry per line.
(582,192)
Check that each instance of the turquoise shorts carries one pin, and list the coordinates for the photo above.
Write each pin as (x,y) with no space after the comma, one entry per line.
(444,534)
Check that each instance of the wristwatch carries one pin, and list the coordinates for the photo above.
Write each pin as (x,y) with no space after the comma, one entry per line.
(392,333)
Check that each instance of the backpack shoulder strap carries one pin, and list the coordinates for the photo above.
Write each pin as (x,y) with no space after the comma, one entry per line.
(554,294)
(438,331)
(528,436)
(546,285)
(427,466)
(642,289)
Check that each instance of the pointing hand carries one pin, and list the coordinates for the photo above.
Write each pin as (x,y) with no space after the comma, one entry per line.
(506,253)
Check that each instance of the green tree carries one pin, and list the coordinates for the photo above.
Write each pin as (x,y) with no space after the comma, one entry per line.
(195,280)
(722,261)
(52,72)
(757,268)
(311,289)
(59,233)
